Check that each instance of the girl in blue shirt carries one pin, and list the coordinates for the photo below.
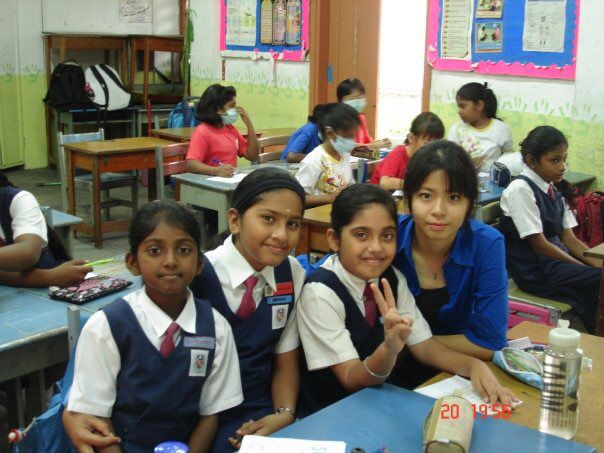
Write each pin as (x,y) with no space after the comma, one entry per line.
(454,265)
(305,138)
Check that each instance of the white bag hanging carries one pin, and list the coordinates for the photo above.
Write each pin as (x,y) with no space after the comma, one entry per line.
(109,92)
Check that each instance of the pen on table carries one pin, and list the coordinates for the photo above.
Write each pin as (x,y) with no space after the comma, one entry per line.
(99,262)
(217,162)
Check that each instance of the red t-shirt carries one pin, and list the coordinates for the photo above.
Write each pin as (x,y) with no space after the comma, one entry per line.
(393,165)
(363,136)
(216,145)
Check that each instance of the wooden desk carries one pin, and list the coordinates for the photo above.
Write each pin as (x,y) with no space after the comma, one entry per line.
(148,44)
(598,253)
(183,134)
(591,416)
(122,154)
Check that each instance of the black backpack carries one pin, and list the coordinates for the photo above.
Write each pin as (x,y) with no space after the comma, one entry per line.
(66,89)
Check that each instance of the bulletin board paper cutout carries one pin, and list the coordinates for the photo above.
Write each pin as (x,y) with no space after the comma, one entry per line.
(266,51)
(512,60)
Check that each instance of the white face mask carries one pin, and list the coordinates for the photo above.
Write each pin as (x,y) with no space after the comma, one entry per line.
(343,145)
(357,104)
(230,116)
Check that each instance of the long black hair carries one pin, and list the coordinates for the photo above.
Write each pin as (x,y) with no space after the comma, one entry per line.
(544,139)
(475,92)
(448,157)
(213,99)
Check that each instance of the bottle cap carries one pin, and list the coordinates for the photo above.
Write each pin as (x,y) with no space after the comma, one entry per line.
(171,447)
(564,338)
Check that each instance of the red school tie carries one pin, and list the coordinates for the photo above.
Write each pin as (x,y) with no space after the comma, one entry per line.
(248,305)
(551,192)
(167,345)
(369,305)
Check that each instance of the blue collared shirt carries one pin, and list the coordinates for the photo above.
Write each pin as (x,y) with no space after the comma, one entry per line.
(476,281)
(303,140)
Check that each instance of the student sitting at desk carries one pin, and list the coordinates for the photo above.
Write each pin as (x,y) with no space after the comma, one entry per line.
(352,92)
(325,171)
(30,253)
(216,143)
(159,364)
(543,255)
(390,172)
(305,139)
(454,265)
(348,345)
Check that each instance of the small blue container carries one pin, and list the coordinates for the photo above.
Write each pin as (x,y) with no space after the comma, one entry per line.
(171,447)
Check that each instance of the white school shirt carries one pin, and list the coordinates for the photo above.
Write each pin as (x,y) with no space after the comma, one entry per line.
(321,174)
(27,217)
(233,269)
(518,202)
(97,359)
(488,143)
(321,317)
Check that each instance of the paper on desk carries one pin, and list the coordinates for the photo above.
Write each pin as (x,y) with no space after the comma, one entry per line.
(261,444)
(398,194)
(353,159)
(449,386)
(235,179)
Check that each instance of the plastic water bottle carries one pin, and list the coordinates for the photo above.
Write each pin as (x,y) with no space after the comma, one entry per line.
(171,447)
(561,372)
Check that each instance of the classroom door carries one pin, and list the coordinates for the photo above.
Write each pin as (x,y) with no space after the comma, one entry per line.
(345,43)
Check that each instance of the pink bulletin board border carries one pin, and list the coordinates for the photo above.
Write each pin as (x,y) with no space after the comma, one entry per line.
(495,67)
(289,55)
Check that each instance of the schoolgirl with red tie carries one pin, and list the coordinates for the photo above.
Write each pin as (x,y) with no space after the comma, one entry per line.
(254,283)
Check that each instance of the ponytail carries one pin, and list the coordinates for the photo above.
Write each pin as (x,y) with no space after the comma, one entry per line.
(475,92)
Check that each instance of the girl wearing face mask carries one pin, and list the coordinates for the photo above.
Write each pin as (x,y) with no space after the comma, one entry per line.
(352,92)
(325,171)
(216,143)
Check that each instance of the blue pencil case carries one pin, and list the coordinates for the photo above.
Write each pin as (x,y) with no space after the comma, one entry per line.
(520,364)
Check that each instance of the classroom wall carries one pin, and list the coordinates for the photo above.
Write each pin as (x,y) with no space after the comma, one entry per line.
(275,95)
(575,107)
(22,78)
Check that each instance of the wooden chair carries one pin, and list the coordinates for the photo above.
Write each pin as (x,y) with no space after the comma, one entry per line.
(277,141)
(163,169)
(84,182)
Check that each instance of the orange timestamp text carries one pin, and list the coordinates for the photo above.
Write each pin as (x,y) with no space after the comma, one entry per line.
(451,411)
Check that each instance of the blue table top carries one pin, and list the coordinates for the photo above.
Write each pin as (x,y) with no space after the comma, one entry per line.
(393,417)
(29,314)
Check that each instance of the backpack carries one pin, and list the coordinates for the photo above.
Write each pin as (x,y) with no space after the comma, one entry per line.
(66,90)
(108,91)
(183,114)
(500,174)
(589,211)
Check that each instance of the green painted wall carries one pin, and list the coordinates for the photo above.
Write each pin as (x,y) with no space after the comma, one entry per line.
(22,119)
(584,131)
(268,106)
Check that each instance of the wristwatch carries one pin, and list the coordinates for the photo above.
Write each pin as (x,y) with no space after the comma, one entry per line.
(285,409)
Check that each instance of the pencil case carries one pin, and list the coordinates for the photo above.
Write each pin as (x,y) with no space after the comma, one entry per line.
(89,289)
(520,364)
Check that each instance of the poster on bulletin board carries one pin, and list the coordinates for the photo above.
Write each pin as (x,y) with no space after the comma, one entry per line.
(532,38)
(271,29)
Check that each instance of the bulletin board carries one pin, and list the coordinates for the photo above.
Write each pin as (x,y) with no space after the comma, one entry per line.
(255,49)
(513,37)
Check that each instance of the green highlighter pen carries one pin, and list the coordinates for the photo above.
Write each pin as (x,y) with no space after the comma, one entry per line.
(99,262)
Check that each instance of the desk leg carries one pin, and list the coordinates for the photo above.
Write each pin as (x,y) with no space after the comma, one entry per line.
(71,202)
(96,204)
(224,203)
(151,184)
(303,247)
(600,312)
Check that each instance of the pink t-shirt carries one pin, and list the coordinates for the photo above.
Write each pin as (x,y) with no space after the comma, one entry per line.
(363,136)
(216,145)
(393,165)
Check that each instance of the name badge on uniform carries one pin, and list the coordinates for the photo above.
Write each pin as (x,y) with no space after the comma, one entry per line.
(279,299)
(282,289)
(199,342)
(279,316)
(199,363)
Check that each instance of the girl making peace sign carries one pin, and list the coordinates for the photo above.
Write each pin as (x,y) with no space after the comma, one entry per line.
(346,345)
